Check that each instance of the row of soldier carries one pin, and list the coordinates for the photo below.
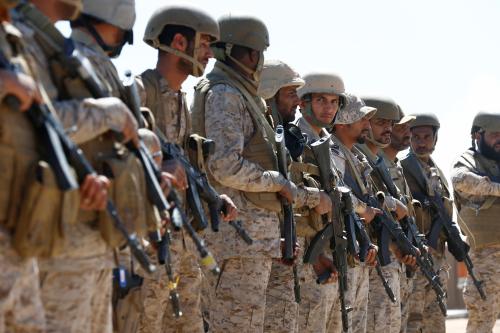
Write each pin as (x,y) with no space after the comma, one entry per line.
(359,260)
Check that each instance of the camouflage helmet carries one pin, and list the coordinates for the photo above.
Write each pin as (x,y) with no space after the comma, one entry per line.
(9,3)
(184,16)
(486,120)
(276,75)
(386,107)
(120,13)
(425,119)
(404,119)
(354,111)
(243,31)
(323,83)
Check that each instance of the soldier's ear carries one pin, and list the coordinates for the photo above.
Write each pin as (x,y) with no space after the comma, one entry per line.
(179,42)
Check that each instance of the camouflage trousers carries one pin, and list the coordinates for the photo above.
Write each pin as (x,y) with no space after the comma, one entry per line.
(483,314)
(317,301)
(239,298)
(405,293)
(425,315)
(281,307)
(21,308)
(356,298)
(77,301)
(157,311)
(384,316)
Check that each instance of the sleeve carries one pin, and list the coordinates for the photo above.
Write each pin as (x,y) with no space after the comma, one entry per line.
(307,196)
(224,123)
(467,182)
(88,118)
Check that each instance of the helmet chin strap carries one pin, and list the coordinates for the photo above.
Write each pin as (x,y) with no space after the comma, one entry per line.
(370,138)
(223,54)
(198,67)
(311,118)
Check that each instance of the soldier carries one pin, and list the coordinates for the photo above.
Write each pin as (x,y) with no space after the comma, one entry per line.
(321,97)
(182,36)
(424,177)
(278,86)
(75,282)
(352,126)
(400,140)
(383,314)
(476,182)
(227,109)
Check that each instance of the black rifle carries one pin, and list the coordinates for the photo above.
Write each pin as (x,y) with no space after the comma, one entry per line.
(289,232)
(425,261)
(442,221)
(164,258)
(59,150)
(335,230)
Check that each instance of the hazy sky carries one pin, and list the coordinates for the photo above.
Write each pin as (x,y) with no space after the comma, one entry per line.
(429,56)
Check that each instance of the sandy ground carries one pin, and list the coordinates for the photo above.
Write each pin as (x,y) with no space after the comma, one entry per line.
(459,325)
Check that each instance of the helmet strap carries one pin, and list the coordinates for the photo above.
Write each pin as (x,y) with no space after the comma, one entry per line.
(198,67)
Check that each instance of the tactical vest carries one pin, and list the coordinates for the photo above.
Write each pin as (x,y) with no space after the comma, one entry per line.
(151,80)
(308,222)
(109,158)
(260,149)
(32,207)
(482,224)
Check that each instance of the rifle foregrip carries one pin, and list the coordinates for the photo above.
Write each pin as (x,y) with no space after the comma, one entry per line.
(323,277)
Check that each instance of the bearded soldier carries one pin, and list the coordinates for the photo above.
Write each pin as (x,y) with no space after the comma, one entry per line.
(182,36)
(426,179)
(476,182)
(278,86)
(400,140)
(383,314)
(352,126)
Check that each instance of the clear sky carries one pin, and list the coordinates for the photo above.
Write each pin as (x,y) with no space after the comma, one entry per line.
(430,56)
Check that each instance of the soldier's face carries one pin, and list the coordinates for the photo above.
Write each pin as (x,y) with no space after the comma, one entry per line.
(325,106)
(287,102)
(400,139)
(204,50)
(382,129)
(360,130)
(422,140)
(489,144)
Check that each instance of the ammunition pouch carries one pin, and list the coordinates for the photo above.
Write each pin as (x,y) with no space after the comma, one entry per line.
(40,228)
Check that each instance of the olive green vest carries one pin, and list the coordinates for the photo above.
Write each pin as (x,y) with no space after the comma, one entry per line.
(481,226)
(260,149)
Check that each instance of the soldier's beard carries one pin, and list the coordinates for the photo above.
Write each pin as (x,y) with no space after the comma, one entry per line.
(488,151)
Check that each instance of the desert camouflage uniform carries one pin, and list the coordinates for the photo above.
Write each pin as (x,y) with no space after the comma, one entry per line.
(239,296)
(406,283)
(319,302)
(77,279)
(425,315)
(173,120)
(21,308)
(358,274)
(473,190)
(383,314)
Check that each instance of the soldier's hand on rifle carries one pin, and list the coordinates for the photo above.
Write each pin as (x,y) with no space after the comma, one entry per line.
(230,209)
(94,192)
(405,259)
(371,256)
(325,204)
(176,169)
(288,192)
(325,264)
(369,214)
(22,87)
